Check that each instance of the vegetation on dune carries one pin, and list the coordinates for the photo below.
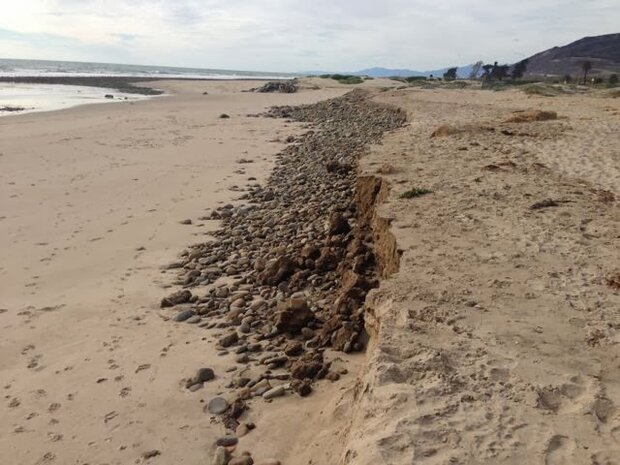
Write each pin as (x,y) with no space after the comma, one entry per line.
(415,192)
(344,78)
(586,66)
(450,75)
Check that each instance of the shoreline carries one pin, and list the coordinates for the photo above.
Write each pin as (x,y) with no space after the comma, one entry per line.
(125,84)
(96,200)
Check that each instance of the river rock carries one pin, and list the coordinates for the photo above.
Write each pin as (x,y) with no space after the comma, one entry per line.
(218,405)
(229,339)
(227,441)
(176,298)
(277,391)
(183,315)
(221,456)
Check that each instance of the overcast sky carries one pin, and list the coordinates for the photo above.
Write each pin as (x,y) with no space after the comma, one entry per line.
(297,35)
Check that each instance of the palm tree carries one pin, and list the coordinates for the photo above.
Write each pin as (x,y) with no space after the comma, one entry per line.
(586,66)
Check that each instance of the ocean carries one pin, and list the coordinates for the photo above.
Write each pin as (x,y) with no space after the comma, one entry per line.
(12,67)
(17,98)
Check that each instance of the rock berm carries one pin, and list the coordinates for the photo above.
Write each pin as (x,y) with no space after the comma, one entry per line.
(297,259)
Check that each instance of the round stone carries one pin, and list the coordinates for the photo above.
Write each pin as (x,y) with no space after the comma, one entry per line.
(217,405)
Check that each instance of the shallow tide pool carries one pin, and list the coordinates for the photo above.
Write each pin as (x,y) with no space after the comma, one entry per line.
(49,97)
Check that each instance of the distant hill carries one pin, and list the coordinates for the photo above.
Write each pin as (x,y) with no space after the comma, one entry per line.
(602,51)
(387,72)
(462,72)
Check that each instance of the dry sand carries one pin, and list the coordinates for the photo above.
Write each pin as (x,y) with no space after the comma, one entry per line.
(497,341)
(92,200)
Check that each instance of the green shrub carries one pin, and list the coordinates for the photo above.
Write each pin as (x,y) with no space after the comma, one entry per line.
(343,78)
(415,192)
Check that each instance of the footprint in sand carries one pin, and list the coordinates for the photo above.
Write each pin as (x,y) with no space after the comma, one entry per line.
(559,451)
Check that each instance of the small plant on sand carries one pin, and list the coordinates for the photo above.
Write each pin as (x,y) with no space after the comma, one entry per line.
(415,192)
(544,90)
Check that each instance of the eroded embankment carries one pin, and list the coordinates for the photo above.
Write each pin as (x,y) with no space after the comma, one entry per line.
(289,270)
(497,340)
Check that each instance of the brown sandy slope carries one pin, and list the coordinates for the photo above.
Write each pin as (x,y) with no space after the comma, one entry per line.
(497,341)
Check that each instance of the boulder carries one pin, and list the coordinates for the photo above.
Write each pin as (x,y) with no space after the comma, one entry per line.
(338,224)
(292,315)
(277,271)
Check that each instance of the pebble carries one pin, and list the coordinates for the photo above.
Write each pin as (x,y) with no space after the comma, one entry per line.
(261,390)
(229,339)
(227,441)
(192,320)
(217,405)
(183,315)
(150,454)
(242,430)
(203,375)
(221,456)
(273,393)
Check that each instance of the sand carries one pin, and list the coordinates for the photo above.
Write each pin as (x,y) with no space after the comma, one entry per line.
(92,203)
(496,341)
(493,336)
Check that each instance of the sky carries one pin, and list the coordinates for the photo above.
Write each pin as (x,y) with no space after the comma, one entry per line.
(297,35)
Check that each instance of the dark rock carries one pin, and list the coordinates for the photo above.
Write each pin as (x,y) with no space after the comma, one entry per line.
(183,315)
(224,116)
(338,224)
(303,387)
(293,348)
(226,441)
(150,454)
(176,298)
(203,375)
(277,271)
(292,316)
(307,367)
(229,339)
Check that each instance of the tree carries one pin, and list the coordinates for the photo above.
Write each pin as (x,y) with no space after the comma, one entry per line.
(486,75)
(613,79)
(518,70)
(450,75)
(586,66)
(475,70)
(568,79)
(499,72)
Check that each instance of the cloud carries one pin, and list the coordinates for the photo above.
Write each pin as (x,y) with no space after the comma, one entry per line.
(288,35)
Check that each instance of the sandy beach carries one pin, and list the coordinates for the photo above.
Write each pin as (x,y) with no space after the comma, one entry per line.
(93,200)
(490,338)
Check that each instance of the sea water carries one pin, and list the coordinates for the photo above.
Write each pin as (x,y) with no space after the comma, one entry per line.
(11,67)
(47,97)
